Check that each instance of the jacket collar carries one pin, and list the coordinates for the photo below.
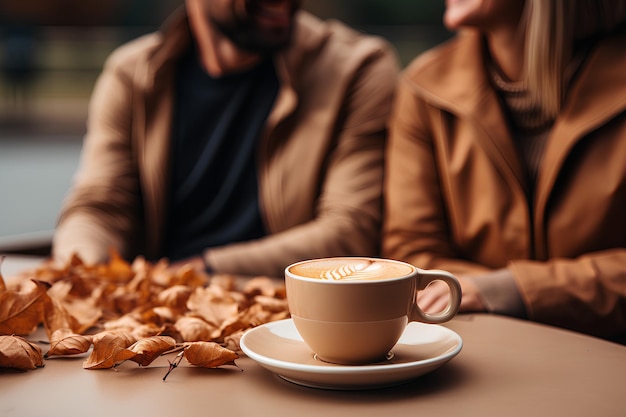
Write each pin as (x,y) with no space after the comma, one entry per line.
(452,77)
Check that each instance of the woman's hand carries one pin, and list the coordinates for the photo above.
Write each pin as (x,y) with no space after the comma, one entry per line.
(434,298)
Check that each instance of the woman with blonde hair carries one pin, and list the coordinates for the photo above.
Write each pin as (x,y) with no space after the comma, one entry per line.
(506,162)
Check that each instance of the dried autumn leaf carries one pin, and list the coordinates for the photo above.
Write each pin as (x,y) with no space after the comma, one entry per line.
(160,272)
(253,316)
(126,322)
(231,341)
(148,349)
(3,286)
(225,281)
(147,330)
(117,269)
(109,348)
(213,304)
(188,275)
(126,337)
(209,355)
(275,305)
(259,286)
(174,297)
(18,353)
(22,311)
(194,329)
(159,316)
(84,309)
(64,342)
(56,317)
(243,320)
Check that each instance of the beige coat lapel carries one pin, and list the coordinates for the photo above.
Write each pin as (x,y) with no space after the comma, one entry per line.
(596,96)
(463,89)
(153,114)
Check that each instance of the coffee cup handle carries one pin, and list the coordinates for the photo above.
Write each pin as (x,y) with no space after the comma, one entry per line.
(424,278)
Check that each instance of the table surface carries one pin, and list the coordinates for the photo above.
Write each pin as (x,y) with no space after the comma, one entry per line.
(507,367)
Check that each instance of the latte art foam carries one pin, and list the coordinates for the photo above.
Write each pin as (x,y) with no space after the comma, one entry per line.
(351,269)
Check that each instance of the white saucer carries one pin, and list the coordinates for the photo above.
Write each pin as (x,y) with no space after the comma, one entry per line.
(278,347)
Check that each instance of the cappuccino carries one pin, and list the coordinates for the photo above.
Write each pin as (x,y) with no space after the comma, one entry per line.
(352,310)
(351,269)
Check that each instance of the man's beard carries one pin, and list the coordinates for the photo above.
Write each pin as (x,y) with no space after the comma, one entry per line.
(249,37)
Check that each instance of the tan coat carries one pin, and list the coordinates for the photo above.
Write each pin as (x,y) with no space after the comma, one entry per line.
(319,167)
(457,198)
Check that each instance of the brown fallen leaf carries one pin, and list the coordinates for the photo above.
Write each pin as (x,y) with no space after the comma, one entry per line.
(64,342)
(3,286)
(194,329)
(117,269)
(209,354)
(109,348)
(174,297)
(231,341)
(22,311)
(259,286)
(213,304)
(18,353)
(148,349)
(125,322)
(272,304)
(147,330)
(84,310)
(56,316)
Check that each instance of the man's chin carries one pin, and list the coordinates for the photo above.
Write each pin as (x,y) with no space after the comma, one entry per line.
(265,44)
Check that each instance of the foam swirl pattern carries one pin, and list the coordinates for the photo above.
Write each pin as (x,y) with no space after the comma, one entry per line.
(367,270)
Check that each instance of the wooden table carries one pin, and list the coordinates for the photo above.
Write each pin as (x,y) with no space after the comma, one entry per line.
(507,367)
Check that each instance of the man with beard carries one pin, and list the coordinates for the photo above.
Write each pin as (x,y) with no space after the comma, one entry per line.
(243,136)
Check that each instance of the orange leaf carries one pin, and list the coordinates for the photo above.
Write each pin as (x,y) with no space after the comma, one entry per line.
(126,322)
(56,317)
(175,297)
(109,348)
(147,330)
(117,269)
(209,355)
(22,311)
(64,342)
(213,304)
(274,305)
(17,352)
(148,349)
(259,286)
(232,340)
(194,329)
(3,286)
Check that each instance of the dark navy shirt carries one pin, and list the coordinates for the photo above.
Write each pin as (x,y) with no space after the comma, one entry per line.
(216,130)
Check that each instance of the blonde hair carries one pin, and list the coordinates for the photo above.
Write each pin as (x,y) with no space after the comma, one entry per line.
(552,27)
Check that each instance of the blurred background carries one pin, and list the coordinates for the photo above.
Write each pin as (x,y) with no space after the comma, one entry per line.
(51,52)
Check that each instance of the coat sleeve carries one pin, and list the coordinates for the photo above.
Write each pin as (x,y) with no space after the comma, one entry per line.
(586,294)
(101,210)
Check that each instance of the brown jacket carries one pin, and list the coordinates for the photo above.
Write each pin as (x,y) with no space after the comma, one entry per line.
(457,198)
(319,165)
